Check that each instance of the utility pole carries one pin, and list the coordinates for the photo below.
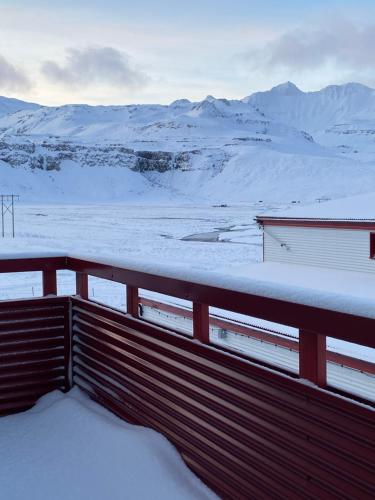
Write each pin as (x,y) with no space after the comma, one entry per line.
(7,207)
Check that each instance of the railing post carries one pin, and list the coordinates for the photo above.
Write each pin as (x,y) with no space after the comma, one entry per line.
(313,357)
(132,300)
(201,322)
(49,283)
(82,285)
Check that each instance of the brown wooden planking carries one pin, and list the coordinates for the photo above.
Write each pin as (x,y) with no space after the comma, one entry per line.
(227,415)
(232,466)
(9,312)
(51,332)
(104,316)
(242,448)
(185,409)
(225,481)
(266,443)
(32,323)
(196,373)
(293,448)
(263,406)
(34,345)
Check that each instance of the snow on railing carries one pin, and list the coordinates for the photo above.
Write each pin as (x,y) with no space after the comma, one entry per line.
(316,314)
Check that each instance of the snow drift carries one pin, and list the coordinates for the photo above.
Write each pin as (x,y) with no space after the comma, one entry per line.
(67,447)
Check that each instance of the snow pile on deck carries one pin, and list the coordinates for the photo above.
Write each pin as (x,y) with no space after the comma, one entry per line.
(67,447)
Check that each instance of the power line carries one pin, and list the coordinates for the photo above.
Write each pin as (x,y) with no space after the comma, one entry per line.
(7,207)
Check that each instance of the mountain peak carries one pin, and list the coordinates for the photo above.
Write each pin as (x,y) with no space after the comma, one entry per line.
(179,103)
(287,88)
(351,87)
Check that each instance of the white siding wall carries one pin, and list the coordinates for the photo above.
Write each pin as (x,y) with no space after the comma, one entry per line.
(347,249)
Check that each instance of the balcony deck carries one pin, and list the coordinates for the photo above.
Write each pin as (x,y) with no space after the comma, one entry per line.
(246,429)
(70,448)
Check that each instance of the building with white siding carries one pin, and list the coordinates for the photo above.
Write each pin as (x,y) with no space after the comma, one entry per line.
(337,234)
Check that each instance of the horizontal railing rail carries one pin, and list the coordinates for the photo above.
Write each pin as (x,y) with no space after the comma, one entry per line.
(314,323)
(259,333)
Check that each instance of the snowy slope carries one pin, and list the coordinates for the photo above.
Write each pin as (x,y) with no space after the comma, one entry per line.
(340,116)
(211,118)
(9,105)
(75,183)
(279,145)
(315,111)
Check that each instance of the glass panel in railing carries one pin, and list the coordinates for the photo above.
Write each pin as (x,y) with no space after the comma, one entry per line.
(66,282)
(265,341)
(167,311)
(20,285)
(351,368)
(107,292)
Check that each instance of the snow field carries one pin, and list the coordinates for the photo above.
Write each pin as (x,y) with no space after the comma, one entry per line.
(153,237)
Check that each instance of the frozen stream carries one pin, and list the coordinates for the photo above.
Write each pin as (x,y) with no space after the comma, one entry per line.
(224,234)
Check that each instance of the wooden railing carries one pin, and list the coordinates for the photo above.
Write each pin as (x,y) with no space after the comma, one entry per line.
(314,324)
(252,331)
(247,431)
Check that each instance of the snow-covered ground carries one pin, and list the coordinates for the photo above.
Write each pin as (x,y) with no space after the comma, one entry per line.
(201,237)
(69,448)
(198,238)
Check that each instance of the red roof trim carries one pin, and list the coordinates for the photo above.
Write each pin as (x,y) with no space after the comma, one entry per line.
(332,224)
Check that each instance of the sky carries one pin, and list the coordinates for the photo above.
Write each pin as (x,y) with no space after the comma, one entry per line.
(146,51)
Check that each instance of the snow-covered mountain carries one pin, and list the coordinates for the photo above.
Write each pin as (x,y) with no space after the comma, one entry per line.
(279,145)
(9,105)
(342,116)
(315,111)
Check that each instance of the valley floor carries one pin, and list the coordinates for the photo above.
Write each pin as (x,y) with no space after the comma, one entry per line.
(210,238)
(200,237)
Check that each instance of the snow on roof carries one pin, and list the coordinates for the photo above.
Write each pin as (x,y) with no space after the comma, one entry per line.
(354,208)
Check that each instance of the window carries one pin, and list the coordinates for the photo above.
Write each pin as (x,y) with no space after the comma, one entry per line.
(372,245)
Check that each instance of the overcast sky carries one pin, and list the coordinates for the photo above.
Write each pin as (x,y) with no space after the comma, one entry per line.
(120,51)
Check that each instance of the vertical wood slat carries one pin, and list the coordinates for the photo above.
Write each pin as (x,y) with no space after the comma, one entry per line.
(201,322)
(313,357)
(132,301)
(49,283)
(82,285)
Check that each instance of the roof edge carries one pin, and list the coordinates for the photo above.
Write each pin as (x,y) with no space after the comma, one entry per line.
(364,224)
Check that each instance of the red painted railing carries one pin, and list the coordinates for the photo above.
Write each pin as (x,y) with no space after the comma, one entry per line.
(314,324)
(247,431)
(259,333)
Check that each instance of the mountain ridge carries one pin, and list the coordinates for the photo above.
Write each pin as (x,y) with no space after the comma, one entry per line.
(266,145)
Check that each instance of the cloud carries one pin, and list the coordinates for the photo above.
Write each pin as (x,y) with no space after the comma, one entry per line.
(341,44)
(95,65)
(12,78)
